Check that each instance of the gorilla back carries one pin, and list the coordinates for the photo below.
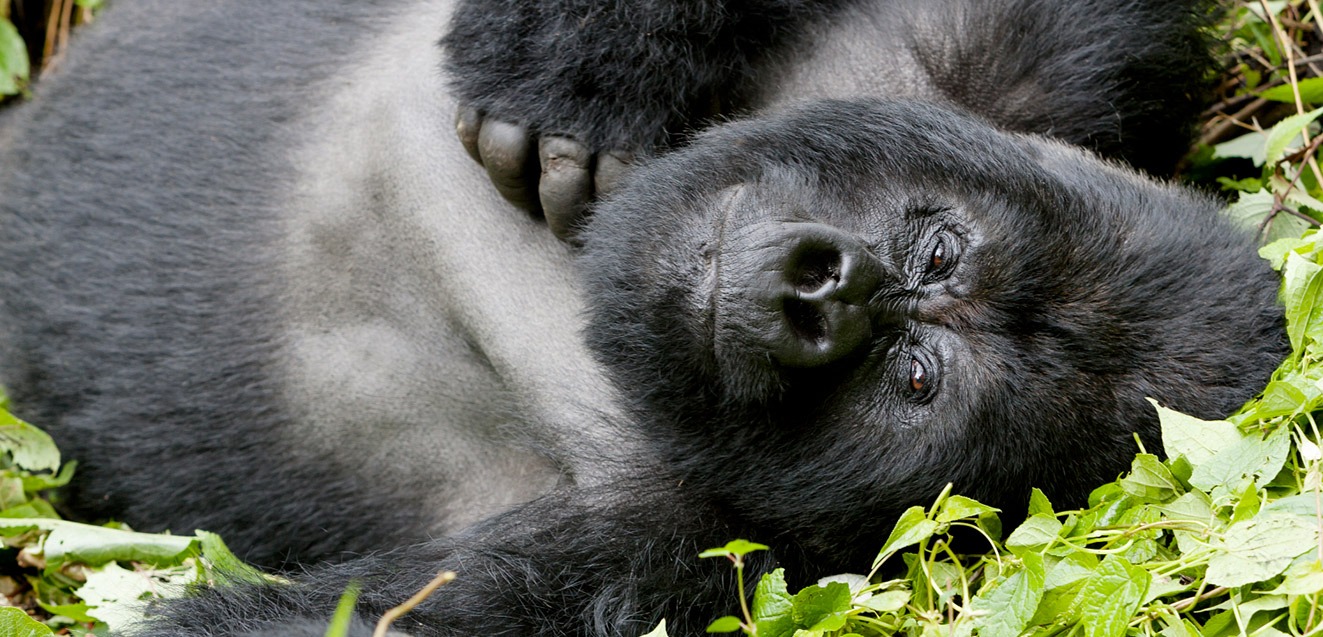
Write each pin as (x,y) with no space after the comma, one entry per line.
(252,281)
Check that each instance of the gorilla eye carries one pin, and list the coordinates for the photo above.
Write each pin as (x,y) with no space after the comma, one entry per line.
(942,259)
(918,376)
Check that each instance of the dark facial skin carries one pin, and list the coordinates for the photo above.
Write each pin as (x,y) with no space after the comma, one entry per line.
(924,300)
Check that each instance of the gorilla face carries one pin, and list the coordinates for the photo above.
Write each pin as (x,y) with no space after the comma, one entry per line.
(909,298)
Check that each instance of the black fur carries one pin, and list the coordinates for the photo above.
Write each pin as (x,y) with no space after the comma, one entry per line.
(143,196)
(1125,78)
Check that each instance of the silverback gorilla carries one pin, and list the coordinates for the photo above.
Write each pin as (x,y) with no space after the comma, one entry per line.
(253,281)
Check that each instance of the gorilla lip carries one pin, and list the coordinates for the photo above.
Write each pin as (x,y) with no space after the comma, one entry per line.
(712,251)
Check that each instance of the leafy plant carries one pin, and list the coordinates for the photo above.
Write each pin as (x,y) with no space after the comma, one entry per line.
(62,575)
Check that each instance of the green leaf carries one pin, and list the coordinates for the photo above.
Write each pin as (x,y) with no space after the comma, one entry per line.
(224,567)
(344,611)
(14,65)
(1033,534)
(912,527)
(1252,457)
(1068,570)
(1038,503)
(727,624)
(1303,577)
(734,548)
(96,545)
(1259,549)
(115,593)
(1110,598)
(822,608)
(16,623)
(1311,92)
(958,507)
(1197,440)
(1150,481)
(30,447)
(1300,291)
(1007,609)
(1247,506)
(1194,506)
(1251,146)
(1284,132)
(773,608)
(887,601)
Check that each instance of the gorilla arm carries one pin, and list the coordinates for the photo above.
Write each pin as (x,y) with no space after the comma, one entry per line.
(572,563)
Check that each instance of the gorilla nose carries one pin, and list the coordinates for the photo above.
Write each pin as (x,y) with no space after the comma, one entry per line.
(806,291)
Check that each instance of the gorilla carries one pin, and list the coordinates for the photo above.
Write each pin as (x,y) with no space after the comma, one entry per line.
(252,280)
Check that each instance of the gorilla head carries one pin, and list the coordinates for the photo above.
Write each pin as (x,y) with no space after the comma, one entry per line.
(853,303)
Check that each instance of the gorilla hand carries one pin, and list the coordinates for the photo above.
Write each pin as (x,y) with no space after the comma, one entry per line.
(557,96)
(554,173)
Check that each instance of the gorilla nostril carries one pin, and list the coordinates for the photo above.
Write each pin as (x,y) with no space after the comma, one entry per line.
(813,268)
(806,319)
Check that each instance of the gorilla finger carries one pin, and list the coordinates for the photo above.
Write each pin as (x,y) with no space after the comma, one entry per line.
(611,166)
(566,183)
(467,124)
(504,150)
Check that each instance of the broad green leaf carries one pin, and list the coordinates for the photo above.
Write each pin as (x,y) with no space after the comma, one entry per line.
(1247,506)
(30,447)
(773,608)
(1150,481)
(96,545)
(727,624)
(1284,132)
(1194,506)
(1251,211)
(1252,457)
(1304,576)
(1195,439)
(1007,609)
(116,594)
(1251,146)
(912,527)
(1038,503)
(1300,291)
(1293,393)
(1258,549)
(1110,598)
(16,623)
(958,507)
(14,64)
(1068,570)
(42,481)
(1276,251)
(1311,92)
(1034,533)
(887,601)
(822,608)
